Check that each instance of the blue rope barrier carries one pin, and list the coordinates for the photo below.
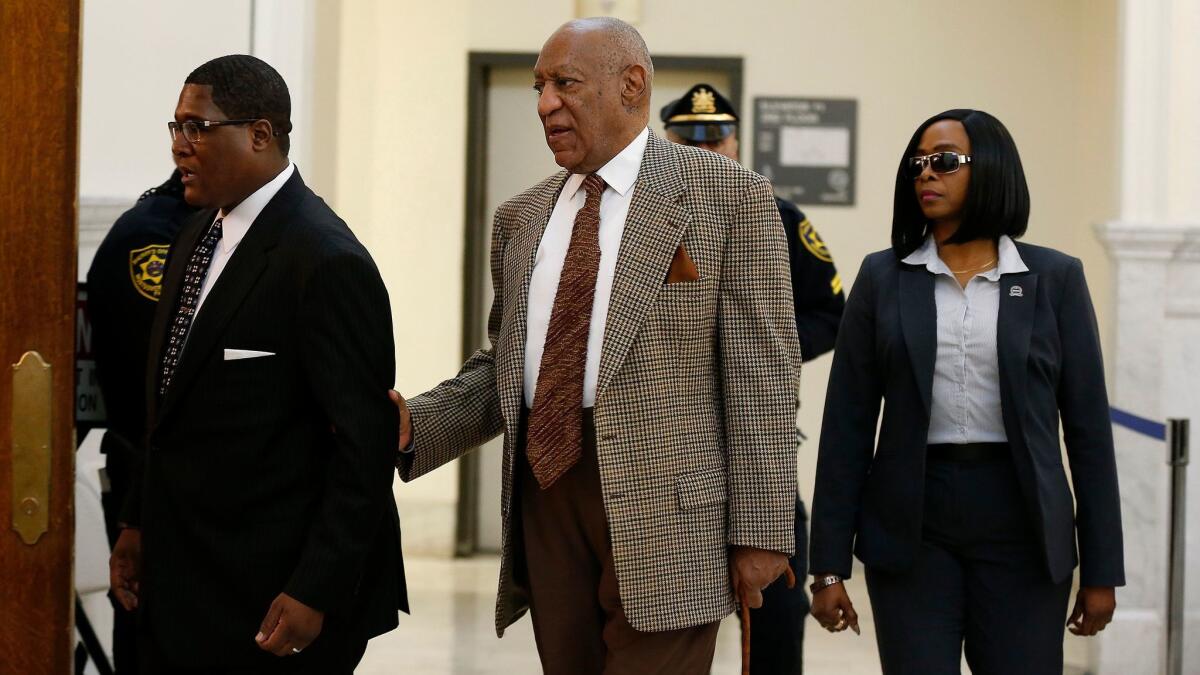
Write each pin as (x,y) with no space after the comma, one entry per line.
(1141,425)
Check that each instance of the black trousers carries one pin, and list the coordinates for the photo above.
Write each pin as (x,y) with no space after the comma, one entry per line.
(980,582)
(777,628)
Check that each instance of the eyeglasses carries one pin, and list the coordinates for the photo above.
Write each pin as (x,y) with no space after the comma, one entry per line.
(939,162)
(191,129)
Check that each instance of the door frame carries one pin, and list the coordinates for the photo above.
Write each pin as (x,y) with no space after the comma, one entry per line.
(476,230)
(39,97)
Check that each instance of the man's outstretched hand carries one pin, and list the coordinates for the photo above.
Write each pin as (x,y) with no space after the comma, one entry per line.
(405,418)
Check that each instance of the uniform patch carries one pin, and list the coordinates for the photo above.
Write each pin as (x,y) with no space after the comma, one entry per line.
(835,284)
(812,242)
(146,269)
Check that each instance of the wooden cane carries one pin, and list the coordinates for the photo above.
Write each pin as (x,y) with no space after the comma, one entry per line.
(791,583)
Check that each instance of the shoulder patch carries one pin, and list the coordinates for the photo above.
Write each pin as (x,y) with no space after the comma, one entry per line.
(146,269)
(812,242)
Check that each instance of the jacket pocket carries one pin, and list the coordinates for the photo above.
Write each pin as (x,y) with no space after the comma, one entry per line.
(705,488)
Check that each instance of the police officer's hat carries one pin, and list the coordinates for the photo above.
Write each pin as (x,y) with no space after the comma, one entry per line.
(703,115)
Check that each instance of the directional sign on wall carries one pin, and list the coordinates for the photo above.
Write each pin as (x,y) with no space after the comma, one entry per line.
(806,147)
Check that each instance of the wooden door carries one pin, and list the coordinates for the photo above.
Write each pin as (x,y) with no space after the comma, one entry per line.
(39,122)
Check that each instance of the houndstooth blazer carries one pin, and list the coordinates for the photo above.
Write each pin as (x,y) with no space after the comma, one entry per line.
(697,391)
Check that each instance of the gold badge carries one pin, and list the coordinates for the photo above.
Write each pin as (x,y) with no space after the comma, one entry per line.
(146,269)
(703,102)
(812,242)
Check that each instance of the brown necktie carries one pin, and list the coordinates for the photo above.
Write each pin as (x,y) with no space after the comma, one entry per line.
(554,442)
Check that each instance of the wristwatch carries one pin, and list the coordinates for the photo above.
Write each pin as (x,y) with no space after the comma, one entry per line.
(825,581)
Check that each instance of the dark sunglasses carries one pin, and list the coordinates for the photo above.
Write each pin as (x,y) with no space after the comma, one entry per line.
(939,162)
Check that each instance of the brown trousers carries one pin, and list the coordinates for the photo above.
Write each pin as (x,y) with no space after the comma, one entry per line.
(578,622)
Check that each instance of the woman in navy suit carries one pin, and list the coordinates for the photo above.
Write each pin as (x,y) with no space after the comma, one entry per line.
(961,512)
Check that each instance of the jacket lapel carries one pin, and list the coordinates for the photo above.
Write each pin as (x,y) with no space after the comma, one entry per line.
(241,273)
(519,255)
(653,229)
(918,321)
(1014,329)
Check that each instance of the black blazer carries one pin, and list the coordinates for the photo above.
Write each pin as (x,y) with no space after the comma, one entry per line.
(1050,367)
(272,474)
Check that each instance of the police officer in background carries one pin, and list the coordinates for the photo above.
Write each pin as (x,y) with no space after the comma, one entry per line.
(124,283)
(704,118)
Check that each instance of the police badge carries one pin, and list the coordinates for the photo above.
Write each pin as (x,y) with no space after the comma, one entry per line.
(146,269)
(703,102)
(812,241)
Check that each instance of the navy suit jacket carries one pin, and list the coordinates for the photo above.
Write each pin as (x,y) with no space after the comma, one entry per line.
(1050,368)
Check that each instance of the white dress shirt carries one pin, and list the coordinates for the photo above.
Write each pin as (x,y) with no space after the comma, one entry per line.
(235,226)
(966,373)
(619,174)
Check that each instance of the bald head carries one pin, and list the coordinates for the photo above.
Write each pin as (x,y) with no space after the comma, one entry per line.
(593,78)
(621,43)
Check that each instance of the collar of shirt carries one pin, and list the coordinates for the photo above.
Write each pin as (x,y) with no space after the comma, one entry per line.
(237,222)
(1009,262)
(620,173)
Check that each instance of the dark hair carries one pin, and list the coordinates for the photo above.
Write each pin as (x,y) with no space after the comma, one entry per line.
(245,87)
(997,200)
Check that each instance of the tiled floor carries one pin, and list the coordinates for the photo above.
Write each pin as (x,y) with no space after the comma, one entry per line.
(451,631)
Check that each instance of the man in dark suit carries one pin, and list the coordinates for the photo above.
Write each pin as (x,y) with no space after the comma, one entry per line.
(124,283)
(703,118)
(263,525)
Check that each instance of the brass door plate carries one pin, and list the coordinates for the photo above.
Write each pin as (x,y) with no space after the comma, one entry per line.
(31,431)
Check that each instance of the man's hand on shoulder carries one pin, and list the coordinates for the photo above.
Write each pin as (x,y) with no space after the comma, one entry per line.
(752,570)
(405,420)
(289,626)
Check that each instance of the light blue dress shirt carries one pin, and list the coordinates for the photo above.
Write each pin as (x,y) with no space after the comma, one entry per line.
(966,373)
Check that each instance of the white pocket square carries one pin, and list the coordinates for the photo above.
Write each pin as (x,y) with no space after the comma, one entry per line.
(235,354)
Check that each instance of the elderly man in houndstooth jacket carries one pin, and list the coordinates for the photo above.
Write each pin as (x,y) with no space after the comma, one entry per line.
(644,369)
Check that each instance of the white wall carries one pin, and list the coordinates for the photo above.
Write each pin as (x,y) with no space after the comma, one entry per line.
(400,142)
(136,55)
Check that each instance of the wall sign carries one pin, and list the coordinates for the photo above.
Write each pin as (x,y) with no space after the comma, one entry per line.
(806,147)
